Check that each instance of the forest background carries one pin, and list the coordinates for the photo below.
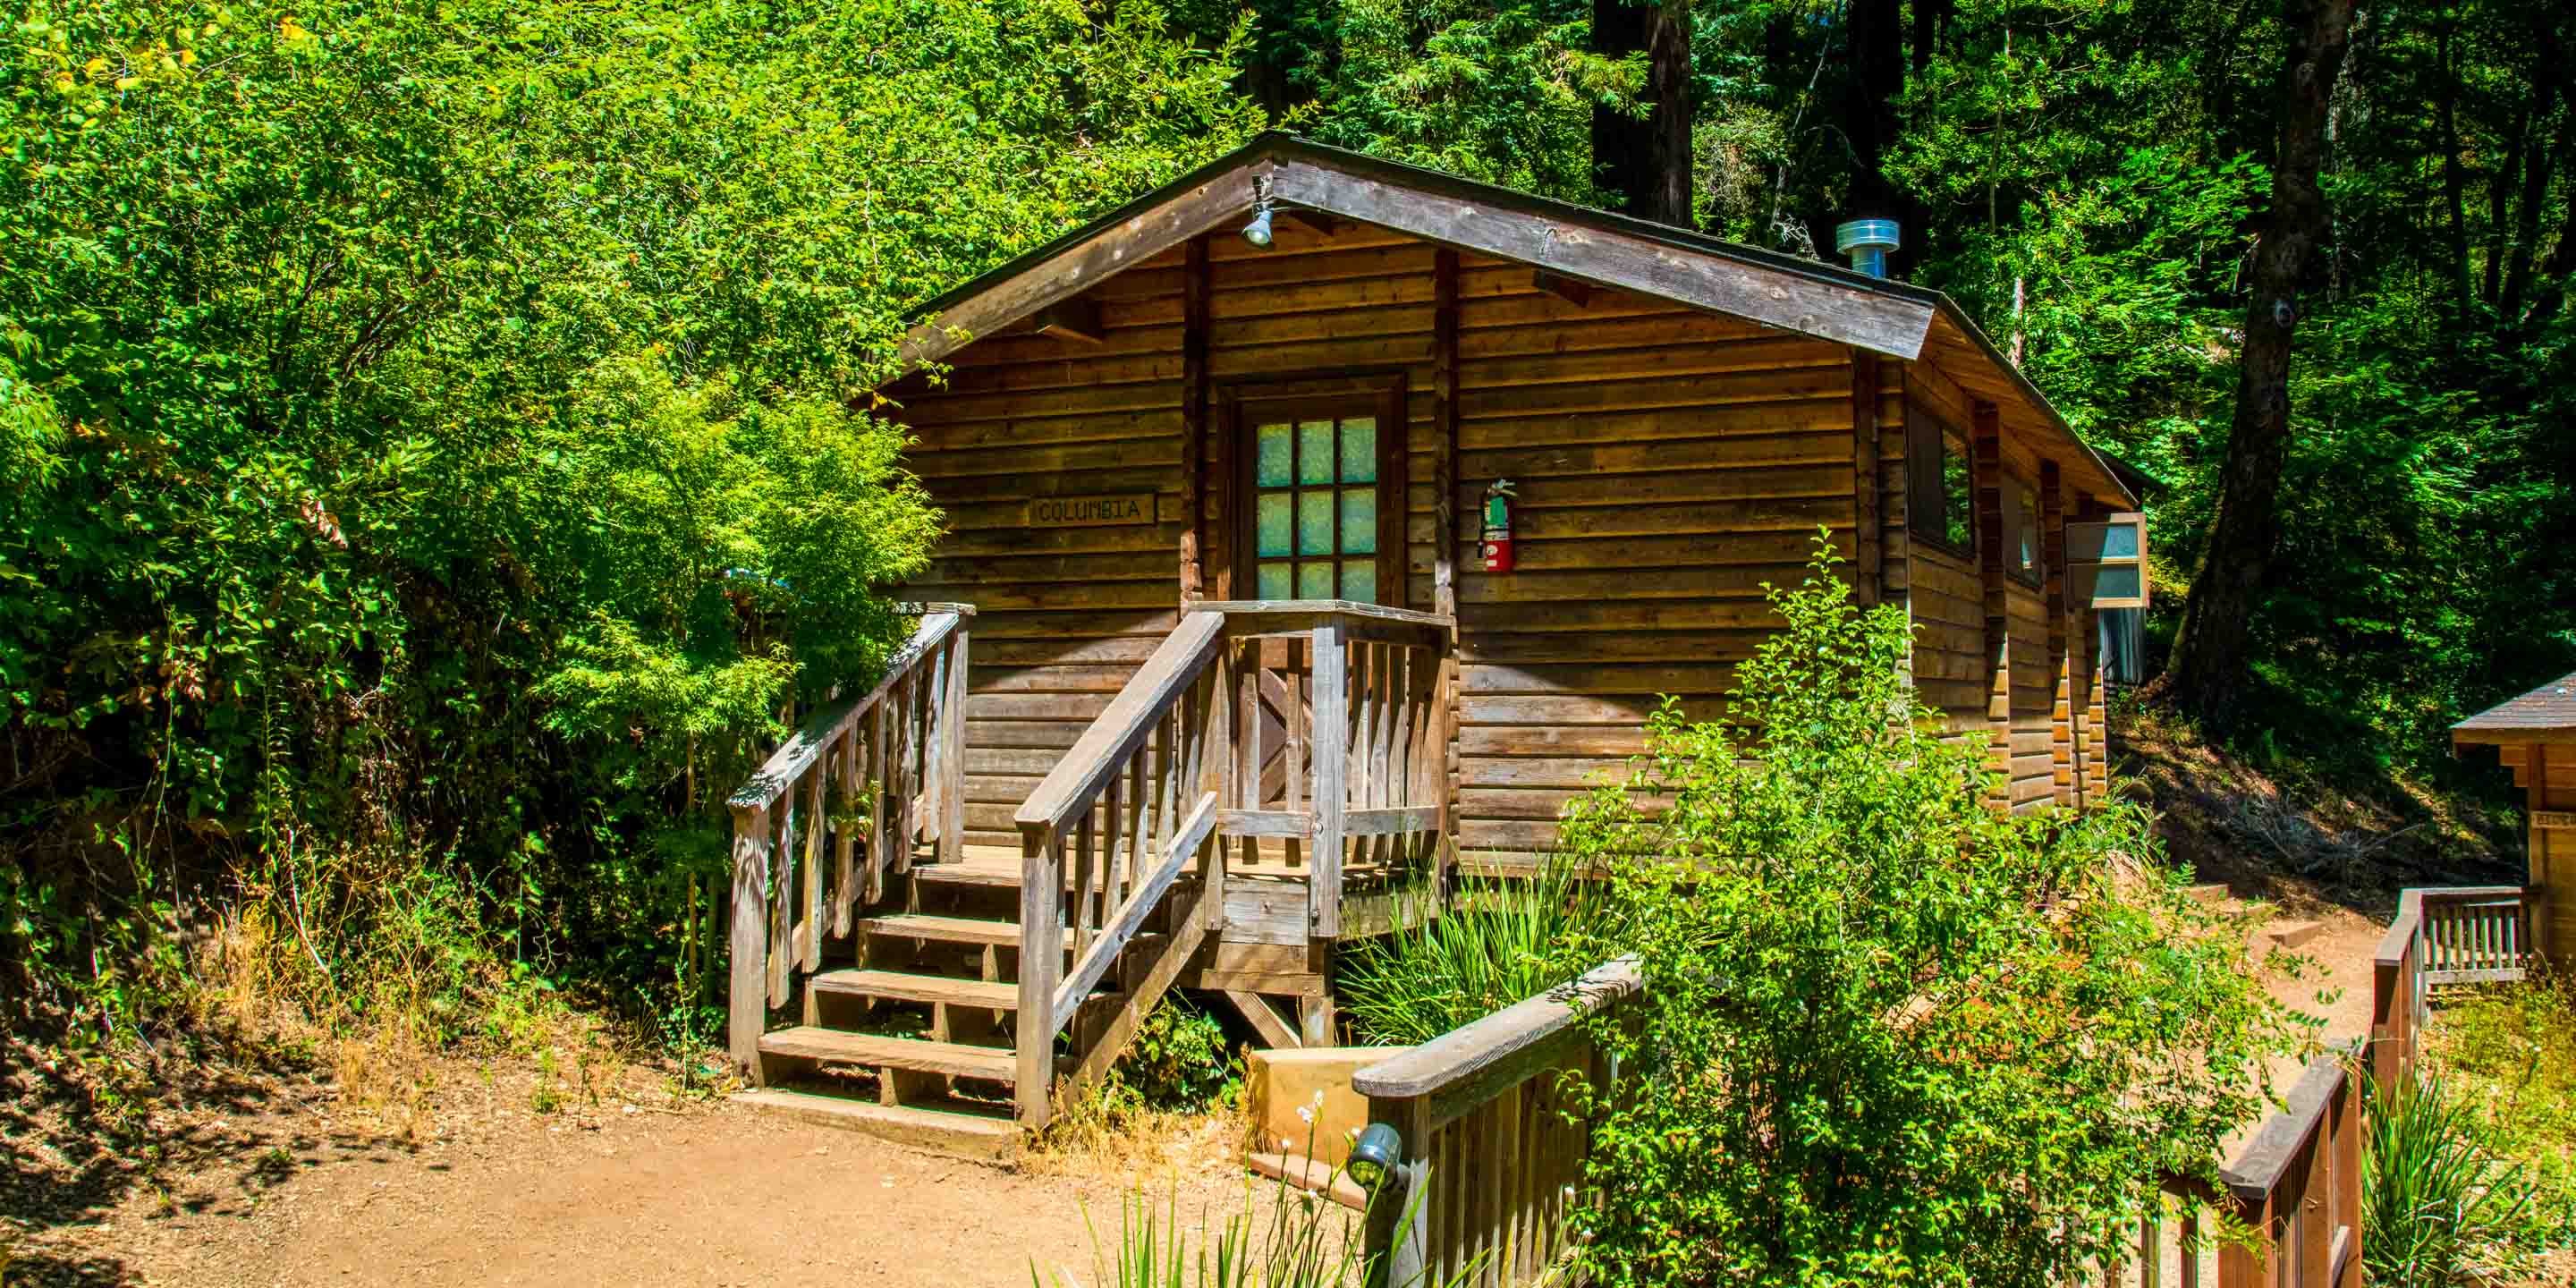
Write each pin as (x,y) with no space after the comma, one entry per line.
(436,455)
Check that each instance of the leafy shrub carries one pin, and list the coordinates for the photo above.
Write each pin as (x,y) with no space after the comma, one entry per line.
(1180,1059)
(1498,941)
(2440,1206)
(432,450)
(1888,1032)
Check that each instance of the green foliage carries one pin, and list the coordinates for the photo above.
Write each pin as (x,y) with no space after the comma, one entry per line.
(2439,1205)
(436,447)
(1889,1033)
(1498,941)
(2509,1052)
(1180,1060)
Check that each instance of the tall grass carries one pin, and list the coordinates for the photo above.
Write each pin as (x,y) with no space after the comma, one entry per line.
(2440,1205)
(1278,1236)
(1499,940)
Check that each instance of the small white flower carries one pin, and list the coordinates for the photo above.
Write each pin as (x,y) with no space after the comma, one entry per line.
(1306,1113)
(1283,1144)
(1352,1132)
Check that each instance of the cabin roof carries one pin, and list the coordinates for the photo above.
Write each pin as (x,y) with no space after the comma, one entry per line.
(1805,296)
(2551,708)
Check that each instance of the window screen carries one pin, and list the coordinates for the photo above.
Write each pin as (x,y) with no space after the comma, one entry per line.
(1315,498)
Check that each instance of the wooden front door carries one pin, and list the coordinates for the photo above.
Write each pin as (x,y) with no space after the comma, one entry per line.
(1318,493)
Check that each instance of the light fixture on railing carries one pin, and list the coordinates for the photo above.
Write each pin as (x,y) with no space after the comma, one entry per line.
(1375,1154)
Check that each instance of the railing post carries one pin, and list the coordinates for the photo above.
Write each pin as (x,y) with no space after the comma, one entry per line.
(2346,1143)
(1331,797)
(747,992)
(952,752)
(1395,1248)
(1041,965)
(1218,766)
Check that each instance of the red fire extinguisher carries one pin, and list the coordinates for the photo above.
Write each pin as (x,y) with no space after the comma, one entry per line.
(1497,549)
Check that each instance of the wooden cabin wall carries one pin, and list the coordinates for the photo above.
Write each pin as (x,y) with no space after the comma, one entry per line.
(1064,614)
(1667,462)
(2030,697)
(1945,593)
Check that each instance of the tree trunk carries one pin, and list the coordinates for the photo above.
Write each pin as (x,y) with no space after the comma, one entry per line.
(1668,53)
(1647,160)
(2209,655)
(1877,34)
(2453,180)
(2539,166)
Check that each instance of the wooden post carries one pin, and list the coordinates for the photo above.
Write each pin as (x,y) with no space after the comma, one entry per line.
(1396,1246)
(1041,963)
(1194,418)
(952,753)
(2345,1123)
(2061,661)
(747,992)
(1987,461)
(1867,573)
(1331,738)
(1219,764)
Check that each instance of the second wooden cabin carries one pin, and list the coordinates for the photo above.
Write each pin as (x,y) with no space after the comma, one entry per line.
(1244,667)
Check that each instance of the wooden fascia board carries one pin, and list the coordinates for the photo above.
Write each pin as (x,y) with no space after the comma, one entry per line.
(1200,208)
(1810,305)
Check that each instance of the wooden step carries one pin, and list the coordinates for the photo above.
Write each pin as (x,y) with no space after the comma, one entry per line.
(988,876)
(953,930)
(838,1046)
(2291,934)
(2213,893)
(933,989)
(984,1138)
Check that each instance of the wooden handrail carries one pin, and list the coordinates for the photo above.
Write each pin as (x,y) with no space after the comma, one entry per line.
(1473,1053)
(836,718)
(1076,782)
(2258,1169)
(1130,918)
(885,766)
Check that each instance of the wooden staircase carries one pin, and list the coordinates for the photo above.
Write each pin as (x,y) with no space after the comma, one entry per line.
(913,1035)
(953,995)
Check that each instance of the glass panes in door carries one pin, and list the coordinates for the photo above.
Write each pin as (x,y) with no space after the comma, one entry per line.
(1314,492)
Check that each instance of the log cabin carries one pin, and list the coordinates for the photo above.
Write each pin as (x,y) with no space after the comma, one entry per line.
(2534,736)
(1323,524)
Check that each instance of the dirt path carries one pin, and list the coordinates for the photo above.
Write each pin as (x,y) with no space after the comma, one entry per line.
(709,1194)
(627,1186)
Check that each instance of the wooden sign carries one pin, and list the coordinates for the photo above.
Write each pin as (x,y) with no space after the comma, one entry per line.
(1090,511)
(2553,818)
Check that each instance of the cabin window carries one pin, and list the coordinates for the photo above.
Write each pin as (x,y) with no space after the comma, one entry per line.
(1315,508)
(1941,487)
(2021,528)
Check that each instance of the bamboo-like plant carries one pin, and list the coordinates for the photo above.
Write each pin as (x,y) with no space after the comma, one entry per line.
(1498,941)
(2439,1206)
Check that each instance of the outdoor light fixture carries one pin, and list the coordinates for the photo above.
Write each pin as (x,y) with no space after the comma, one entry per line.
(1258,231)
(1374,1157)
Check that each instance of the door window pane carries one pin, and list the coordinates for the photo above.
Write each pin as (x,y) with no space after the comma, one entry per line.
(1359,520)
(1315,523)
(1272,524)
(1359,450)
(1315,451)
(1359,580)
(1272,455)
(1273,581)
(1315,580)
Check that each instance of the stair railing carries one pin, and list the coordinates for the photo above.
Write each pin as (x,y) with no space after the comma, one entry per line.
(866,777)
(2444,935)
(1146,788)
(1122,814)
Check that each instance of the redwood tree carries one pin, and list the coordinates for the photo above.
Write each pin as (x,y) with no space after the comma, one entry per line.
(2209,657)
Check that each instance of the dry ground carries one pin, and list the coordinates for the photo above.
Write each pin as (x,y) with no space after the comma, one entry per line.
(626,1184)
(637,1188)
